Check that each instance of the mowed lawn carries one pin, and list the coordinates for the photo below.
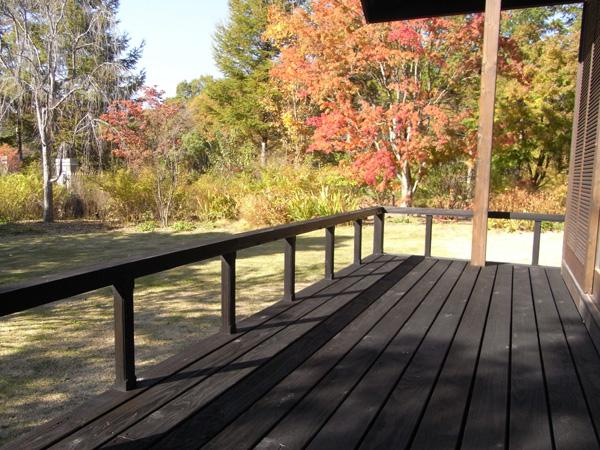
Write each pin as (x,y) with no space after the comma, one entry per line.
(54,357)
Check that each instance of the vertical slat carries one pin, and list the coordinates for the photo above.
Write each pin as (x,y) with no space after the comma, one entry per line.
(357,242)
(124,334)
(228,293)
(289,277)
(428,227)
(487,100)
(378,223)
(537,231)
(329,252)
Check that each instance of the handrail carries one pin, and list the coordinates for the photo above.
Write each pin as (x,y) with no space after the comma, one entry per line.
(429,213)
(121,276)
(46,289)
(468,214)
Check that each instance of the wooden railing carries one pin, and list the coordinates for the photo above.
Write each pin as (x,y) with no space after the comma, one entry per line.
(122,275)
(429,213)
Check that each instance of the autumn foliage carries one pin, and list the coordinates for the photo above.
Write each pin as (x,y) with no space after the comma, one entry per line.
(146,132)
(12,157)
(386,93)
(143,129)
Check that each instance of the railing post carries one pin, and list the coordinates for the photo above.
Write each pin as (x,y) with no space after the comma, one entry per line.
(378,222)
(358,241)
(428,227)
(289,277)
(329,252)
(537,231)
(228,293)
(124,334)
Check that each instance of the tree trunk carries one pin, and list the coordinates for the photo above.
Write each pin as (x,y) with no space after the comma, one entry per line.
(407,186)
(48,214)
(19,131)
(263,153)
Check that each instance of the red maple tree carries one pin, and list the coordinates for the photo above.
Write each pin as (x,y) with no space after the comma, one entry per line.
(146,132)
(389,95)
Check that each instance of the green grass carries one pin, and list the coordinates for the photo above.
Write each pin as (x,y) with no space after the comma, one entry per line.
(55,356)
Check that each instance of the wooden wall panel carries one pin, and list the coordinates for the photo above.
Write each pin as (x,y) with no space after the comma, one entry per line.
(582,212)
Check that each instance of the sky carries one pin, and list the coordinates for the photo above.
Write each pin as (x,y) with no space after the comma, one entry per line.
(178,37)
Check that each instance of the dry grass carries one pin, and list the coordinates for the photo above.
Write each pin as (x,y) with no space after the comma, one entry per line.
(56,356)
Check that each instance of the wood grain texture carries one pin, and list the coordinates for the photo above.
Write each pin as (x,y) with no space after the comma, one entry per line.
(485,133)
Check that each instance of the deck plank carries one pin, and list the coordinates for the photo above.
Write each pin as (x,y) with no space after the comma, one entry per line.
(349,422)
(63,426)
(126,415)
(571,423)
(486,423)
(298,427)
(396,423)
(285,350)
(268,405)
(585,357)
(529,423)
(400,352)
(440,426)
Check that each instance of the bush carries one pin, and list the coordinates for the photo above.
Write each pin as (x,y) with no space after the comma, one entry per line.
(182,225)
(20,196)
(280,195)
(446,186)
(551,201)
(95,202)
(131,197)
(211,198)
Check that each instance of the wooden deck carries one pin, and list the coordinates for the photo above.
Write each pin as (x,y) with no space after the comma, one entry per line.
(398,352)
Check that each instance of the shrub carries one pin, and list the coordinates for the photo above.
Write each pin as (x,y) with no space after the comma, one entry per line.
(20,196)
(147,226)
(550,201)
(210,199)
(182,225)
(131,195)
(446,186)
(280,195)
(95,202)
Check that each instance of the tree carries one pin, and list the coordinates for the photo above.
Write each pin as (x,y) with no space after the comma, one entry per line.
(147,132)
(244,101)
(53,53)
(534,116)
(387,93)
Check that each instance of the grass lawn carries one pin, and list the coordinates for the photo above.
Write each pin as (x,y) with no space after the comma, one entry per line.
(55,356)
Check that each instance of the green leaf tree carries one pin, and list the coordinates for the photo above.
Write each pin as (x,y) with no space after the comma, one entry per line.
(58,55)
(534,110)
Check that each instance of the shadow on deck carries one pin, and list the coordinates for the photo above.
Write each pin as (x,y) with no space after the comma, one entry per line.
(398,352)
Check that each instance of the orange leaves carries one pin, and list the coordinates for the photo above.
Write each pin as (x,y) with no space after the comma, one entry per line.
(12,158)
(387,94)
(141,129)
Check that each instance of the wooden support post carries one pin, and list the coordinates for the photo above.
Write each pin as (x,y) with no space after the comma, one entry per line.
(378,222)
(537,232)
(487,101)
(124,334)
(358,242)
(329,252)
(428,230)
(289,275)
(228,293)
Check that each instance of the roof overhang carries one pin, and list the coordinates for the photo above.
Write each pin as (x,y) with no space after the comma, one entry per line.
(389,10)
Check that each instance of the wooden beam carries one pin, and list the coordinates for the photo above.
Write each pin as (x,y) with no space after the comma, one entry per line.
(487,102)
